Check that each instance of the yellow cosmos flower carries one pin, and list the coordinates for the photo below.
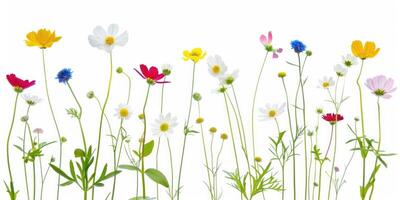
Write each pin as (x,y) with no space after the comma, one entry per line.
(195,55)
(42,38)
(367,51)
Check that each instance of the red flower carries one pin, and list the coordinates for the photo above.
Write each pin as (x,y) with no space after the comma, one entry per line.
(19,84)
(151,74)
(332,118)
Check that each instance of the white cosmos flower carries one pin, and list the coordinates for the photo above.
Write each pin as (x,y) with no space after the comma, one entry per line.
(107,40)
(340,70)
(216,66)
(31,99)
(164,125)
(326,82)
(271,111)
(123,111)
(349,60)
(229,78)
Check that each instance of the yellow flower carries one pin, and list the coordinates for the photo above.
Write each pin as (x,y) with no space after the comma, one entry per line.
(367,51)
(195,55)
(43,38)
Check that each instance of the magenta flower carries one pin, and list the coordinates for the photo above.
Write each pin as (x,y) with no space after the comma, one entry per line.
(381,86)
(267,42)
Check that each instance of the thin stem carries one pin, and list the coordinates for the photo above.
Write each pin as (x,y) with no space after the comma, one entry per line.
(158,143)
(8,145)
(23,155)
(212,162)
(115,156)
(362,119)
(144,140)
(379,143)
(55,122)
(79,115)
(101,123)
(216,170)
(33,162)
(129,87)
(172,169)
(319,181)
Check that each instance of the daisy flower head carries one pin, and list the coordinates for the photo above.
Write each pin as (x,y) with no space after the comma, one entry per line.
(42,38)
(368,50)
(298,46)
(271,111)
(19,84)
(64,75)
(340,70)
(123,111)
(267,42)
(381,86)
(332,118)
(216,66)
(164,125)
(107,39)
(31,99)
(349,60)
(166,69)
(194,55)
(326,83)
(229,78)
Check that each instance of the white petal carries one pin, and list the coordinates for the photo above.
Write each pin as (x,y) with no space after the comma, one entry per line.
(94,41)
(112,29)
(99,32)
(122,39)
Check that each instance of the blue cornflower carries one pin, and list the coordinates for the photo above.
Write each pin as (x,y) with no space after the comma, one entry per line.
(298,46)
(64,75)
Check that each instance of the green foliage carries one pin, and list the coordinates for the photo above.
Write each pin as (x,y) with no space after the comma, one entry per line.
(157,177)
(73,112)
(11,191)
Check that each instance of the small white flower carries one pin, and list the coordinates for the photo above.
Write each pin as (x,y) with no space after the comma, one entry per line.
(271,111)
(31,99)
(164,125)
(123,111)
(228,79)
(326,82)
(107,40)
(340,70)
(166,69)
(216,66)
(349,60)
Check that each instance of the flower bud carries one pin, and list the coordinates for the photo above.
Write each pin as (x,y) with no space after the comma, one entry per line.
(199,120)
(197,96)
(320,110)
(224,136)
(120,70)
(309,53)
(213,130)
(282,74)
(63,139)
(90,94)
(141,116)
(258,159)
(25,118)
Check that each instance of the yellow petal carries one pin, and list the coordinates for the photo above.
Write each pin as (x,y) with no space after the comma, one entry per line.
(197,51)
(357,48)
(370,49)
(186,53)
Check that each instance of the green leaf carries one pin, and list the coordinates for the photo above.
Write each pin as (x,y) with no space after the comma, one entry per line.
(61,172)
(129,167)
(66,183)
(157,177)
(138,198)
(79,153)
(148,148)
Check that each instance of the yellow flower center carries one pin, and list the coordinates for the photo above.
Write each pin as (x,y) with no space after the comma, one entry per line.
(272,113)
(109,40)
(164,127)
(325,84)
(216,69)
(123,112)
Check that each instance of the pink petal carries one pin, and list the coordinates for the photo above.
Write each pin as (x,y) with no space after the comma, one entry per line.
(263,39)
(387,96)
(279,50)
(274,55)
(144,70)
(388,85)
(269,37)
(153,72)
(381,80)
(370,84)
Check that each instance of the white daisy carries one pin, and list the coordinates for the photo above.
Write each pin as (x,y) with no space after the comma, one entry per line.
(107,40)
(164,125)
(229,78)
(123,111)
(340,70)
(31,99)
(349,60)
(216,66)
(271,111)
(326,82)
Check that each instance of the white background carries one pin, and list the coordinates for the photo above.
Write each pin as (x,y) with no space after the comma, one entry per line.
(159,31)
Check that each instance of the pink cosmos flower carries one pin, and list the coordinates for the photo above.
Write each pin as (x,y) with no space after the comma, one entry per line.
(381,86)
(267,42)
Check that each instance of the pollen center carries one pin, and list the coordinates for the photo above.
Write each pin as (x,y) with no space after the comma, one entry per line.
(379,92)
(164,127)
(124,112)
(272,113)
(325,84)
(216,69)
(109,40)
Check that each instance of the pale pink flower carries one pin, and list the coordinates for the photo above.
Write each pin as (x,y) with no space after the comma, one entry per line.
(381,86)
(267,42)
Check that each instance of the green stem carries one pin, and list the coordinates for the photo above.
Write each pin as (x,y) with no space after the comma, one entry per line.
(33,162)
(23,155)
(116,163)
(144,140)
(172,169)
(158,143)
(8,146)
(55,123)
(101,123)
(379,143)
(319,181)
(129,87)
(362,121)
(216,174)
(79,116)
(212,162)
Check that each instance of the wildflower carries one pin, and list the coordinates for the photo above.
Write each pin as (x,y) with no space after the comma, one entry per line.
(298,46)
(381,86)
(31,99)
(326,83)
(349,60)
(90,95)
(42,38)
(282,74)
(199,120)
(228,79)
(151,75)
(332,118)
(363,52)
(224,136)
(123,111)
(195,55)
(272,111)
(216,66)
(164,125)
(19,84)
(197,96)
(258,159)
(64,75)
(107,40)
(38,130)
(213,130)
(267,42)
(340,70)
(166,69)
